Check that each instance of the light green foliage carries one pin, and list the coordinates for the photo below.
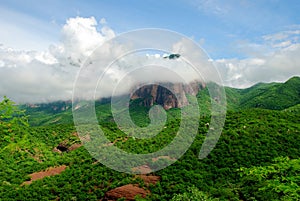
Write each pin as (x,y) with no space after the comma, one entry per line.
(13,122)
(274,96)
(278,181)
(293,109)
(193,194)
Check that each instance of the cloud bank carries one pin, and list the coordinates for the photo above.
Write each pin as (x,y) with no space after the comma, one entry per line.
(31,76)
(275,59)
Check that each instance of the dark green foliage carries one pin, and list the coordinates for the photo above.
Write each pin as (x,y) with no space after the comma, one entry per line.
(138,113)
(274,96)
(250,138)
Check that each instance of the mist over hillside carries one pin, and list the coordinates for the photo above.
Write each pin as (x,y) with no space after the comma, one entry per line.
(275,96)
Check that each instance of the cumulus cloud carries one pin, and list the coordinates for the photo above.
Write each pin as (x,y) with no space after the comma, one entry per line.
(80,37)
(31,76)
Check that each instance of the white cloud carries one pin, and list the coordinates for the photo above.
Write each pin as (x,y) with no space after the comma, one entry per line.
(282,39)
(281,35)
(79,39)
(283,44)
(276,37)
(276,58)
(31,76)
(279,66)
(212,6)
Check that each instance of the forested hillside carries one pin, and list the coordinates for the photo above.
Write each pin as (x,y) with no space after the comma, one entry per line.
(256,158)
(274,96)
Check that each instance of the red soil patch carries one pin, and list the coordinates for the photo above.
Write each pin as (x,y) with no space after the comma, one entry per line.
(128,192)
(49,172)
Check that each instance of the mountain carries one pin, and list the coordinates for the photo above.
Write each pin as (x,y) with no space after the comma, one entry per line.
(161,94)
(274,96)
(49,113)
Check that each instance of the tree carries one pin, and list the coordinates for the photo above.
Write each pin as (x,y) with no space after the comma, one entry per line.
(13,121)
(278,181)
(193,194)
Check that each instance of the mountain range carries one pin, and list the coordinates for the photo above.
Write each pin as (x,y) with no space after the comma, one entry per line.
(273,96)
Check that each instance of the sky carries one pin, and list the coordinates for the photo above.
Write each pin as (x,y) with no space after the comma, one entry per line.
(41,42)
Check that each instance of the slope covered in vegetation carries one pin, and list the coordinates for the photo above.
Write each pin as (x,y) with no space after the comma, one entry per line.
(256,157)
(274,96)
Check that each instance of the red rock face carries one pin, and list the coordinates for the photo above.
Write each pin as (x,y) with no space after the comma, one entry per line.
(157,94)
(128,192)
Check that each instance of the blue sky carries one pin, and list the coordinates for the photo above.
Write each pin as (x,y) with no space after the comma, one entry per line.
(217,25)
(248,41)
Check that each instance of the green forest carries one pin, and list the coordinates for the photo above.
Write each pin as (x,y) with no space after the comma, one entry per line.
(256,158)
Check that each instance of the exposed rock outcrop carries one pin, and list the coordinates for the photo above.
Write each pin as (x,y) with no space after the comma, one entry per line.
(67,145)
(168,95)
(128,192)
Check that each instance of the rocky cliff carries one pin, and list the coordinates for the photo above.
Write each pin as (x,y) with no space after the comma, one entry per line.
(168,95)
